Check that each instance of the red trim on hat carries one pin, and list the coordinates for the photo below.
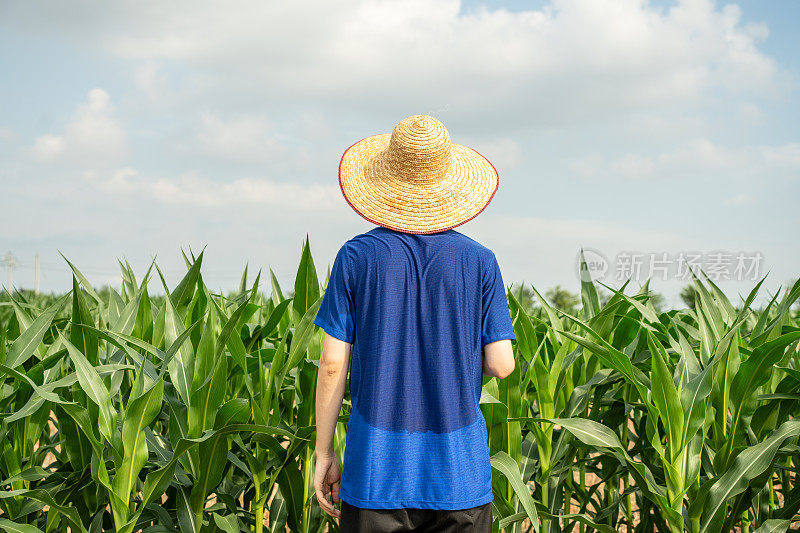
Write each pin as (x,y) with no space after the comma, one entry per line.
(341,187)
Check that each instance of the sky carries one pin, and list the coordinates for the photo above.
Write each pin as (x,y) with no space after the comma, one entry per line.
(653,135)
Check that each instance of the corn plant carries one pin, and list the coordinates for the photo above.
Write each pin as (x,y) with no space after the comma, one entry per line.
(696,408)
(154,411)
(194,411)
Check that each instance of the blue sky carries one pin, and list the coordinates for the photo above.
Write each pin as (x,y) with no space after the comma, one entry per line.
(130,130)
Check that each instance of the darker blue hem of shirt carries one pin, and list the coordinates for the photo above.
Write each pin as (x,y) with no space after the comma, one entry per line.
(415,504)
(500,335)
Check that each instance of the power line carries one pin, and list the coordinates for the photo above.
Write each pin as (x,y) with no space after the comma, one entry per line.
(10,262)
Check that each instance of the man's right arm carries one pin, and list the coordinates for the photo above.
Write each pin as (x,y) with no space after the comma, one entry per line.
(498,359)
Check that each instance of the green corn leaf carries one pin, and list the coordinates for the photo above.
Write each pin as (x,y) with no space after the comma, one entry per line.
(243,282)
(665,397)
(207,399)
(227,333)
(278,513)
(181,367)
(228,523)
(557,368)
(14,527)
(69,512)
(774,526)
(645,309)
(755,370)
(302,337)
(614,359)
(85,282)
(503,523)
(768,324)
(749,464)
(214,451)
(752,374)
(544,396)
(86,425)
(128,279)
(204,361)
(114,306)
(139,413)
(552,315)
(35,473)
(275,316)
(306,285)
(186,517)
(76,445)
(94,388)
(127,317)
(598,435)
(82,338)
(721,301)
(590,432)
(23,317)
(158,480)
(708,308)
(119,340)
(43,392)
(182,294)
(591,302)
(25,345)
(582,518)
(524,329)
(503,463)
(290,481)
(693,395)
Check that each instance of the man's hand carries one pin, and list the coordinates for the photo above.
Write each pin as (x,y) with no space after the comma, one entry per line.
(327,478)
(331,381)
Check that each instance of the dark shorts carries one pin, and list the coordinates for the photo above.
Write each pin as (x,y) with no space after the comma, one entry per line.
(357,520)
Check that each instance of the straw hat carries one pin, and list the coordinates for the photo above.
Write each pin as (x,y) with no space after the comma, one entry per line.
(415,180)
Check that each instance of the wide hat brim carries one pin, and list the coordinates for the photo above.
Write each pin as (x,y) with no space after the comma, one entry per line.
(376,193)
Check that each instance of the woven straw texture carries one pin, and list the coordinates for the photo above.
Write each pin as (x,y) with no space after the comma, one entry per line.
(415,180)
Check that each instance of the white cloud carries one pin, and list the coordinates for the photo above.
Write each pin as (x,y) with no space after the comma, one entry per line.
(572,60)
(633,166)
(150,79)
(504,154)
(587,167)
(92,136)
(701,153)
(750,112)
(787,155)
(243,138)
(48,147)
(313,124)
(193,189)
(245,89)
(740,199)
(7,135)
(663,124)
(696,156)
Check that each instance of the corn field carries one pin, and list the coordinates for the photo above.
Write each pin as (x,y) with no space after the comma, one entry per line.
(195,411)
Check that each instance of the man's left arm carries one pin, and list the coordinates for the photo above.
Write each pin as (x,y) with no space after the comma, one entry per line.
(331,382)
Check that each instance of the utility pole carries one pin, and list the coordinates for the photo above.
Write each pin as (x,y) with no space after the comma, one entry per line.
(10,261)
(36,275)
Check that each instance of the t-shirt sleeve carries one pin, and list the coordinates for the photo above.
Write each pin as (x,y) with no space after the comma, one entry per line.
(496,323)
(336,314)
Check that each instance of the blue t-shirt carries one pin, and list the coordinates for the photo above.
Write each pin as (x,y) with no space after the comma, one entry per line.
(418,310)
